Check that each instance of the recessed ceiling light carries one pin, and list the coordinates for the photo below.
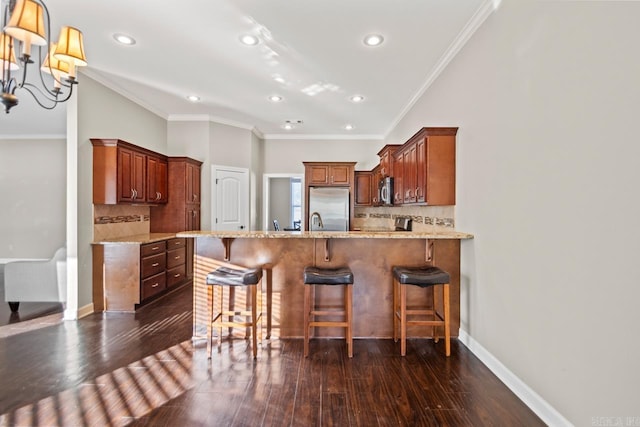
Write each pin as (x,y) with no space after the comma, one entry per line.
(348,127)
(249,40)
(193,98)
(357,98)
(373,40)
(275,98)
(124,39)
(287,126)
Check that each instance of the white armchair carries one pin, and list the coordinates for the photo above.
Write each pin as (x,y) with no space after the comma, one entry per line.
(36,281)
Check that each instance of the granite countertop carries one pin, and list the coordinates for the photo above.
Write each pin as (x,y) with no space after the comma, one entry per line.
(138,239)
(436,233)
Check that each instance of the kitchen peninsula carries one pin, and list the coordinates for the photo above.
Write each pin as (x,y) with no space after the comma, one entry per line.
(370,255)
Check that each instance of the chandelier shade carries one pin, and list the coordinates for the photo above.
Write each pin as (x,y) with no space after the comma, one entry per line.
(7,54)
(71,47)
(27,23)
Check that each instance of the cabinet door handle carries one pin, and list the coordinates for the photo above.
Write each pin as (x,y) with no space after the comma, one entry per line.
(176,275)
(177,257)
(133,193)
(155,285)
(155,264)
(155,248)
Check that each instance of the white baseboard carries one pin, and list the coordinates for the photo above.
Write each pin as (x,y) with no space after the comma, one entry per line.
(85,311)
(537,404)
(82,312)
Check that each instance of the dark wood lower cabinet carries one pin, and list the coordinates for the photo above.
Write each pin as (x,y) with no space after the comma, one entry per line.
(127,275)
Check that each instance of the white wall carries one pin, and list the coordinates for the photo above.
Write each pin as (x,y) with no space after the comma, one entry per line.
(33,194)
(546,96)
(102,113)
(255,182)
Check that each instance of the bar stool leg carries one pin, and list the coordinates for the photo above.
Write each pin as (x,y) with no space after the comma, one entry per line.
(403,320)
(210,302)
(254,320)
(434,331)
(348,296)
(307,311)
(395,310)
(447,333)
(221,292)
(269,303)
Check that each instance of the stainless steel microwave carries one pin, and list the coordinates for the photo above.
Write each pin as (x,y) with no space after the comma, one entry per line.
(385,190)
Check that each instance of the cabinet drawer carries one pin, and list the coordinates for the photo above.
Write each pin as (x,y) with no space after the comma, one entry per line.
(176,243)
(153,248)
(153,265)
(176,275)
(176,257)
(153,285)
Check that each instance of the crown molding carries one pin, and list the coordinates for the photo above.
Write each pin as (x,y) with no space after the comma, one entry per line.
(322,137)
(478,18)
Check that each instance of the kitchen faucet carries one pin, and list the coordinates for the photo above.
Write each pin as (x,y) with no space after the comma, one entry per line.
(313,220)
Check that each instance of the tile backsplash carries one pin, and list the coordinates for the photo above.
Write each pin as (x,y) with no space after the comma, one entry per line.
(424,218)
(112,221)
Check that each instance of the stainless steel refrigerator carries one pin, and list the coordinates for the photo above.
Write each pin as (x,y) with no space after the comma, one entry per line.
(328,209)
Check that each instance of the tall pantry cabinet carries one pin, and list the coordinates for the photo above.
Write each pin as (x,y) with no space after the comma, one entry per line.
(182,211)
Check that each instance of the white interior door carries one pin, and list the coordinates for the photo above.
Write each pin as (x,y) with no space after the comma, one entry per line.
(231,198)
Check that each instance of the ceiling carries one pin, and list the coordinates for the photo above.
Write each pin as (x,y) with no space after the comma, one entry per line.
(311,52)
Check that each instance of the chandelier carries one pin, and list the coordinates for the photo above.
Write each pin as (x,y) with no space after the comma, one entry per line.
(26,23)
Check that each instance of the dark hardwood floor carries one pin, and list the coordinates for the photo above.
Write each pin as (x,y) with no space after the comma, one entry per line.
(142,370)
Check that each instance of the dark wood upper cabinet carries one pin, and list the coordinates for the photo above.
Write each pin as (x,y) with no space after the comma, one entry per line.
(363,188)
(398,169)
(132,169)
(157,180)
(192,176)
(323,174)
(126,173)
(425,168)
(386,159)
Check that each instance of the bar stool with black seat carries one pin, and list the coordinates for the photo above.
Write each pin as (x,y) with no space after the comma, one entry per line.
(342,276)
(424,277)
(232,278)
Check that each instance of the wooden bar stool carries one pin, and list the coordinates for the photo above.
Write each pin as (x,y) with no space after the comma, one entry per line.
(231,278)
(327,276)
(424,277)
